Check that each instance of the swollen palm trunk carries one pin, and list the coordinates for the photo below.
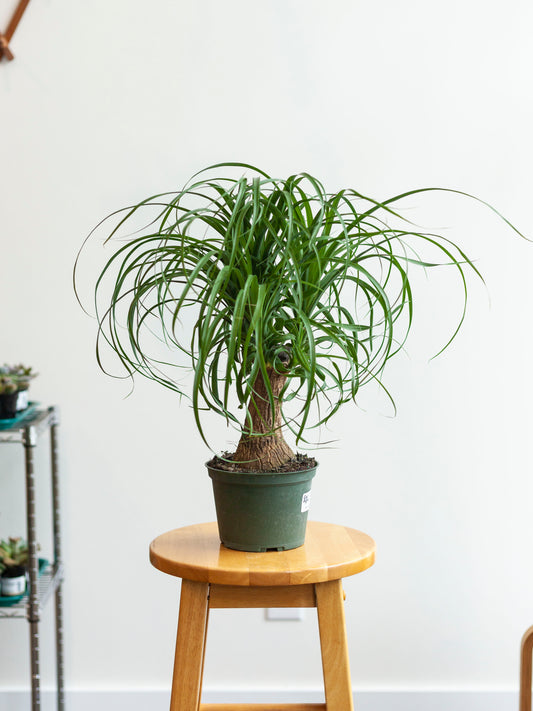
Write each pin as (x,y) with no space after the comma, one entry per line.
(262,446)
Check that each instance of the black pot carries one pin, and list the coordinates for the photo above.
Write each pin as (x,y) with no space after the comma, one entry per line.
(14,571)
(8,405)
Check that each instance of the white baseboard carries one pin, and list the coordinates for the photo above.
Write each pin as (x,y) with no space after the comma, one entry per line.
(375,700)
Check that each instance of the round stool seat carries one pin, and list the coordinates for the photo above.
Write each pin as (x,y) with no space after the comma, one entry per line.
(330,552)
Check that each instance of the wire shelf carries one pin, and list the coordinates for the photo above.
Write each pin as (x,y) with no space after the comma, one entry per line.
(47,584)
(28,426)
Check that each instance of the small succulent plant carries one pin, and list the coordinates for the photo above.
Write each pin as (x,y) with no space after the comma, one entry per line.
(13,553)
(8,386)
(19,374)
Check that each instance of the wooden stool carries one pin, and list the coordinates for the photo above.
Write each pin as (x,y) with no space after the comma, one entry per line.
(526,651)
(215,576)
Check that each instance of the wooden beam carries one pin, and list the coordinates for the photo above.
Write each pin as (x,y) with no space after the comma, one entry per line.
(4,49)
(5,38)
(263,707)
(190,647)
(526,651)
(17,15)
(265,596)
(333,645)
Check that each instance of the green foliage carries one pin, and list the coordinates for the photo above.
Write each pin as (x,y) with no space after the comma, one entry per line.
(8,386)
(13,552)
(19,375)
(248,273)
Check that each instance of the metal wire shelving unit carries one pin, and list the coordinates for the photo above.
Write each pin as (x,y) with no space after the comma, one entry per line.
(46,583)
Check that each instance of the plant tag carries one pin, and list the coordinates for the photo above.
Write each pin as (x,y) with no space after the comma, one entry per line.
(306,501)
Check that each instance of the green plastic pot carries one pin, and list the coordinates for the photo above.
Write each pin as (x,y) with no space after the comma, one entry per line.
(261,511)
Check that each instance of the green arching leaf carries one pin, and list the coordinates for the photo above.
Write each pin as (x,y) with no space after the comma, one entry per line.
(229,272)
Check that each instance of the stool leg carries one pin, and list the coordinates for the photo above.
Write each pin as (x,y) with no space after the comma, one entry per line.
(190,647)
(332,628)
(526,652)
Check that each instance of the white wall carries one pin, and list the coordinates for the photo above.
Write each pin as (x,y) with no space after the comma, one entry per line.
(107,103)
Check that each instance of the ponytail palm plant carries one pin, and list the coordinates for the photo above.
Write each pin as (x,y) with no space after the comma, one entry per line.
(282,299)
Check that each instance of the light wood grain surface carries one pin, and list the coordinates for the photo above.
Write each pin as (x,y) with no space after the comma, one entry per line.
(330,552)
(190,647)
(263,707)
(221,596)
(334,646)
(526,670)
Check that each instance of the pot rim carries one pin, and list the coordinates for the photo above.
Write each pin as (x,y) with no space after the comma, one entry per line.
(261,477)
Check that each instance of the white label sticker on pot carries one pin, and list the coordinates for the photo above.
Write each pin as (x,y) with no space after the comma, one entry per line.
(306,501)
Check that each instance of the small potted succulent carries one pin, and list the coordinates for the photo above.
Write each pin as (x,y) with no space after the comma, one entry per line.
(13,566)
(14,384)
